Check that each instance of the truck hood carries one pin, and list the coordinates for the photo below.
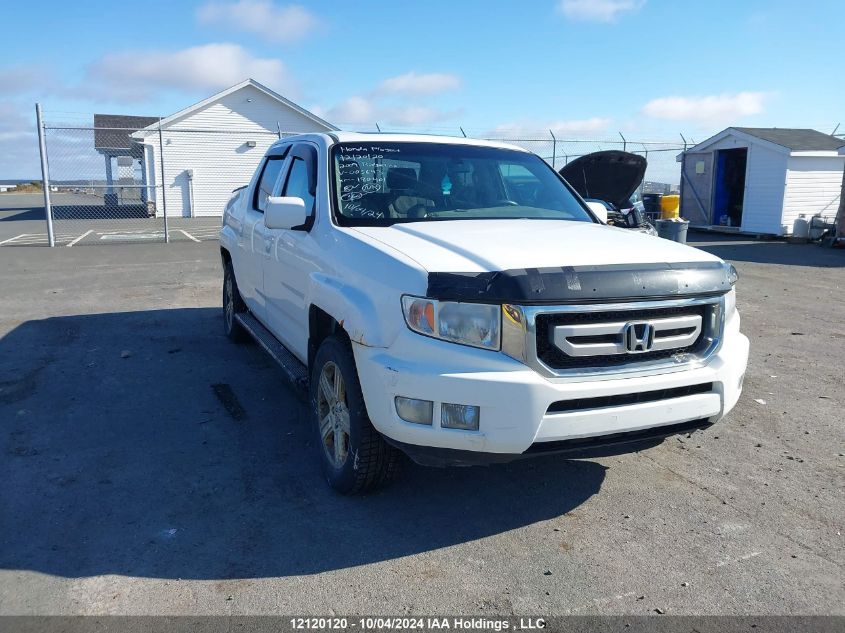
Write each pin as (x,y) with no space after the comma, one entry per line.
(611,175)
(494,245)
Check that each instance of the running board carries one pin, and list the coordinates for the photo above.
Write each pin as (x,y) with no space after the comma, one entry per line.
(296,372)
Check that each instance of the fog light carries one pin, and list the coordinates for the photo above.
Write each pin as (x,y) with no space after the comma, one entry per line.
(459,416)
(413,410)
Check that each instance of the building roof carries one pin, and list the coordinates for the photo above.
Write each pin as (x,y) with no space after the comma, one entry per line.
(246,82)
(796,139)
(113,131)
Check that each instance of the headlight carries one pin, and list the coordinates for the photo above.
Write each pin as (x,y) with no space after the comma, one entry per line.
(475,324)
(733,275)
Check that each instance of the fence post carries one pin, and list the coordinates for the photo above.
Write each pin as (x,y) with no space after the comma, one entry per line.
(624,143)
(279,128)
(554,149)
(163,196)
(45,175)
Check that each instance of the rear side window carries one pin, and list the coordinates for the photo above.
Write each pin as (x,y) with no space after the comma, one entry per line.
(267,181)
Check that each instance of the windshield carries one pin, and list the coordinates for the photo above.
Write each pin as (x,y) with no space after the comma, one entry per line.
(378,184)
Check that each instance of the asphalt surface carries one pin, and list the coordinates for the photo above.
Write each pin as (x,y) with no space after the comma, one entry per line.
(128,487)
(80,219)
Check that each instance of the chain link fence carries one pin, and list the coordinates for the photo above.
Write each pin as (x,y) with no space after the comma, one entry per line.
(128,179)
(113,179)
(662,174)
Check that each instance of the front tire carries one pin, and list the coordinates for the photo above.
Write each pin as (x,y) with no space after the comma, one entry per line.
(232,305)
(354,455)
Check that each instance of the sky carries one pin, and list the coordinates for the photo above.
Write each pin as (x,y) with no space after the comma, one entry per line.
(650,69)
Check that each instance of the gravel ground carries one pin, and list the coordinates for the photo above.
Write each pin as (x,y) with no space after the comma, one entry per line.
(128,488)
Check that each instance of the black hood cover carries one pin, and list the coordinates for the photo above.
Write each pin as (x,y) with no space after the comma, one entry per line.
(611,175)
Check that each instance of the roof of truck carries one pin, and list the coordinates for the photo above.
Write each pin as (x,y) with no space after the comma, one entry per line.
(363,137)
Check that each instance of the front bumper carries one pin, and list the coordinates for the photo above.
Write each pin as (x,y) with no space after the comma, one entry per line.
(515,400)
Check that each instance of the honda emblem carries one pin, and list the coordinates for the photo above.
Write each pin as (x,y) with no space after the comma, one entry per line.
(639,337)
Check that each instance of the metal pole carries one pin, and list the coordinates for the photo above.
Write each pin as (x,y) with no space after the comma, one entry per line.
(684,140)
(554,148)
(163,198)
(279,128)
(624,143)
(462,131)
(45,175)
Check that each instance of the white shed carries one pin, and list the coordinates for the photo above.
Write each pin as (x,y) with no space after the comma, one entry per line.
(760,180)
(214,146)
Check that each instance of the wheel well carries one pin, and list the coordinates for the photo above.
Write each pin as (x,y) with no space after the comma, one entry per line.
(321,325)
(225,256)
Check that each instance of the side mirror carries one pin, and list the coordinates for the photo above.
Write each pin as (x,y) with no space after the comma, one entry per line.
(599,210)
(284,212)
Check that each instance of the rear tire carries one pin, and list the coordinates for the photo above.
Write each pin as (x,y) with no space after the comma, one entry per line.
(232,304)
(354,455)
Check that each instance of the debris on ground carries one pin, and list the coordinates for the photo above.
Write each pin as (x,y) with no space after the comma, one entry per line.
(759,401)
(125,353)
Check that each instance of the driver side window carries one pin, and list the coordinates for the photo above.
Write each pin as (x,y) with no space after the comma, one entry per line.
(268,179)
(297,184)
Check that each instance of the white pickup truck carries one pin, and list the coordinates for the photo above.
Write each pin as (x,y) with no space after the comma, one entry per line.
(457,301)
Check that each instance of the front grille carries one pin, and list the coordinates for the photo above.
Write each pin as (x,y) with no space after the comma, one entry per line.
(555,358)
(601,402)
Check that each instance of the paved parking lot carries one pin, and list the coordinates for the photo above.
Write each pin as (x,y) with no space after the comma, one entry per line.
(81,220)
(127,487)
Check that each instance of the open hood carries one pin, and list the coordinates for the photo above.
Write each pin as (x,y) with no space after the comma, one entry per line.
(611,175)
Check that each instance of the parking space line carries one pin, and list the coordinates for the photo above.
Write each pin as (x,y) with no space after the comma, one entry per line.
(12,239)
(188,235)
(81,237)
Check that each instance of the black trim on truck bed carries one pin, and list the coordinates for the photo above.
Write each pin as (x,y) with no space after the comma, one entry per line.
(583,284)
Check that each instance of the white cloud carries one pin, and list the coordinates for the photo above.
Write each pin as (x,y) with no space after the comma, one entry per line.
(415,84)
(359,110)
(135,76)
(25,78)
(18,141)
(723,108)
(264,18)
(598,10)
(564,129)
(351,110)
(397,101)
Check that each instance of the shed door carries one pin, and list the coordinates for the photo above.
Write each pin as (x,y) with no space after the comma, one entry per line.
(696,185)
(729,186)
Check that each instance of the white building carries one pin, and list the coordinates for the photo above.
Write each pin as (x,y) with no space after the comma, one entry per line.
(760,180)
(214,146)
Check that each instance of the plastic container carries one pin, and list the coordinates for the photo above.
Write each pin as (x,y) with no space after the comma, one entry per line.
(801,228)
(651,204)
(669,206)
(675,230)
